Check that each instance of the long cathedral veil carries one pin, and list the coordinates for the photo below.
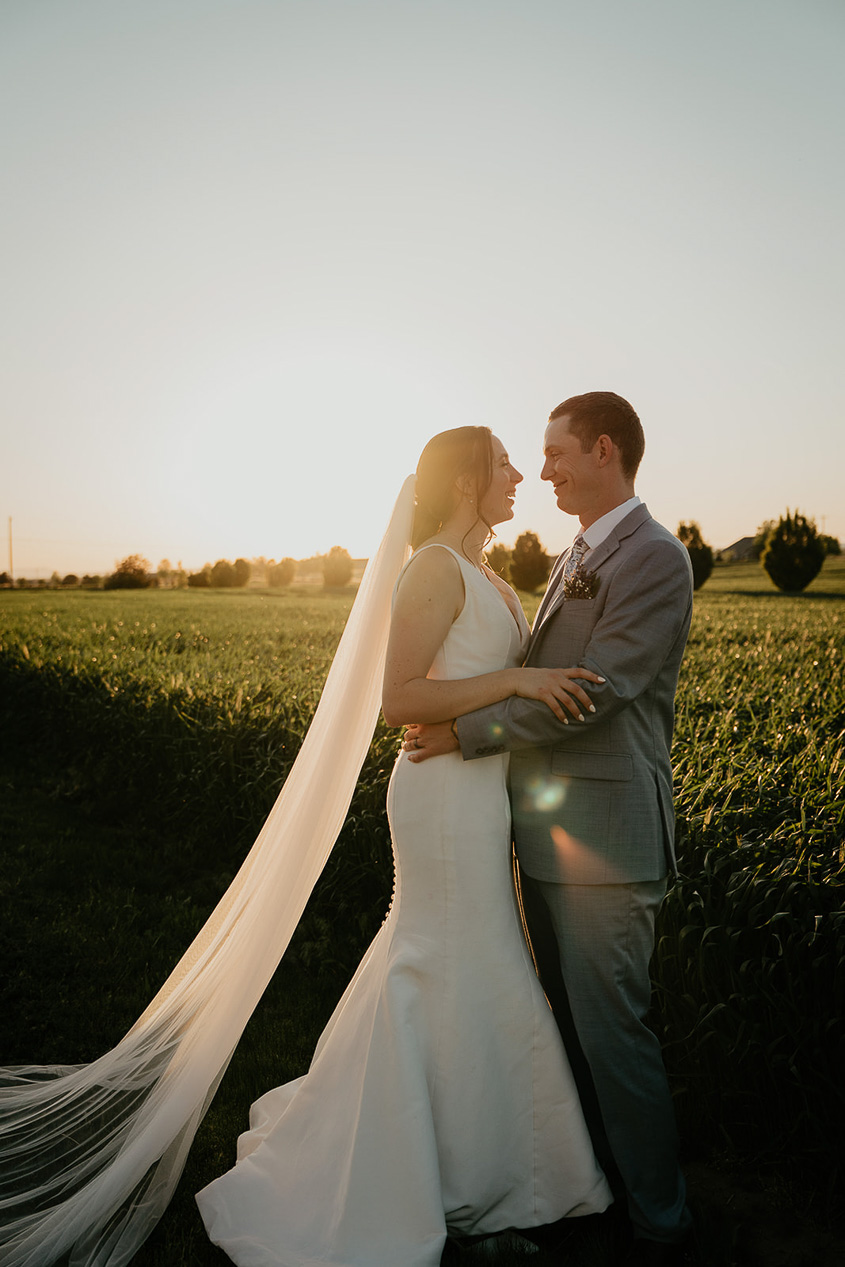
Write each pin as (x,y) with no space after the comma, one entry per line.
(90,1155)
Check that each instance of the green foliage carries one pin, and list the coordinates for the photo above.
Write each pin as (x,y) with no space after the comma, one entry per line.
(749,578)
(243,571)
(179,713)
(337,567)
(200,580)
(499,559)
(761,536)
(282,573)
(753,929)
(831,546)
(223,575)
(700,554)
(794,552)
(131,573)
(750,979)
(199,685)
(530,565)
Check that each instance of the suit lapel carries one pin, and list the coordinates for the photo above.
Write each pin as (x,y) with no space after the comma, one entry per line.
(551,588)
(553,597)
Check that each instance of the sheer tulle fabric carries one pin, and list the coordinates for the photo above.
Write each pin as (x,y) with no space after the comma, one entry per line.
(90,1155)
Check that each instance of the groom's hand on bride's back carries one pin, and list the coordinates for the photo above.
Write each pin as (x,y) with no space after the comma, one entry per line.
(431,739)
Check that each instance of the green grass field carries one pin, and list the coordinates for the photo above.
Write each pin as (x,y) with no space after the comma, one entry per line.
(146,734)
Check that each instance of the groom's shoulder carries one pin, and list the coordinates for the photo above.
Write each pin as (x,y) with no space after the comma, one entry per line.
(651,530)
(653,538)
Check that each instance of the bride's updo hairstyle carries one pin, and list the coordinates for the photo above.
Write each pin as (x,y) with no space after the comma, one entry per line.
(465,451)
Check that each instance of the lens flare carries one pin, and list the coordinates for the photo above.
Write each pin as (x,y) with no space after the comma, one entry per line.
(577,857)
(544,795)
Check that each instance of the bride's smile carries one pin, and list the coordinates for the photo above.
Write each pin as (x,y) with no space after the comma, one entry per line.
(496,505)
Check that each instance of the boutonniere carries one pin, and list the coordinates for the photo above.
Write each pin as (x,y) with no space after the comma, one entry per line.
(581,584)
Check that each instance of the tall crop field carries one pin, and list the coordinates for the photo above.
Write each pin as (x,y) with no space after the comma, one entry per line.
(175,716)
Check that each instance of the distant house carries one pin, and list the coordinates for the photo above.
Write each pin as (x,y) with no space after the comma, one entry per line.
(741,551)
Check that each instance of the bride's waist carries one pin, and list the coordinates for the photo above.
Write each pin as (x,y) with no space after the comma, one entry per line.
(475,771)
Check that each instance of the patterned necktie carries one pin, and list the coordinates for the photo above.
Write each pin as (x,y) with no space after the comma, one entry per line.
(576,554)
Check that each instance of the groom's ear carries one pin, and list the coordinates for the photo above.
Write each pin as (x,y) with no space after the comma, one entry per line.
(604,449)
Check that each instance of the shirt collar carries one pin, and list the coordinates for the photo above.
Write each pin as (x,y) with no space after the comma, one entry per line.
(596,533)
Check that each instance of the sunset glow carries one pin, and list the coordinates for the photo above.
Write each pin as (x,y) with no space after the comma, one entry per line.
(255,254)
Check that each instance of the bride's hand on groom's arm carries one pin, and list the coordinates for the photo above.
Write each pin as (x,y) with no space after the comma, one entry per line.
(429,739)
(559,690)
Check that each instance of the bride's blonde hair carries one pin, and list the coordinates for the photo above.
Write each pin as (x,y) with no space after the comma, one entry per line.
(464,451)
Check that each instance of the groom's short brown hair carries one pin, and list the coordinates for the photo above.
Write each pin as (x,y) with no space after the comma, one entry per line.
(604,413)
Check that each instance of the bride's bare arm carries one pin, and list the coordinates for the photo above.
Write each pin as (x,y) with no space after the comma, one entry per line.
(429,599)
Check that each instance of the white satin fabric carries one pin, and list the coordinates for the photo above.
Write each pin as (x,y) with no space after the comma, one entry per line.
(439,1097)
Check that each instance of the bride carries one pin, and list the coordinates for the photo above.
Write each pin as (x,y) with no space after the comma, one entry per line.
(439,1099)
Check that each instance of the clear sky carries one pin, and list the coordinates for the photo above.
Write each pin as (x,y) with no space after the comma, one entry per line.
(255,252)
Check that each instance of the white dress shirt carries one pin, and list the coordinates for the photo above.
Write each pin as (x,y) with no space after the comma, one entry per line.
(596,533)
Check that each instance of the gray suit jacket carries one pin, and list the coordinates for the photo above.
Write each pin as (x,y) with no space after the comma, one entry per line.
(592,801)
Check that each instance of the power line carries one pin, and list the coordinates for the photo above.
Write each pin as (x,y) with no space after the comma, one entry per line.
(71,541)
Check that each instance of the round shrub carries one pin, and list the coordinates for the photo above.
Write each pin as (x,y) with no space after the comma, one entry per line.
(131,573)
(282,573)
(337,567)
(794,552)
(700,554)
(530,565)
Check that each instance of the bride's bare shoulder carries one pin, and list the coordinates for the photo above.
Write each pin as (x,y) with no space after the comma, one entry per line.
(433,565)
(435,554)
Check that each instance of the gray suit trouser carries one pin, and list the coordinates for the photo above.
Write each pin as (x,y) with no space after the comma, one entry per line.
(604,935)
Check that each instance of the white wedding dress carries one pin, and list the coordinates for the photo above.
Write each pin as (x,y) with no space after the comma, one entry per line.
(439,1098)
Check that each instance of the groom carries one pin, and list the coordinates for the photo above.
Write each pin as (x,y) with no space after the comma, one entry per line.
(592,801)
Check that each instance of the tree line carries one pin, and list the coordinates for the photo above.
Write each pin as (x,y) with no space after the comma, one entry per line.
(135,572)
(790,549)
